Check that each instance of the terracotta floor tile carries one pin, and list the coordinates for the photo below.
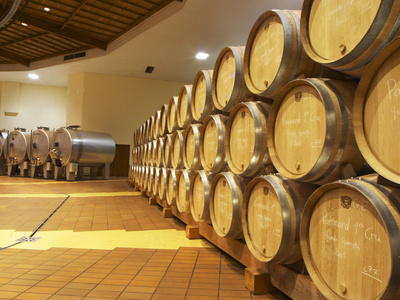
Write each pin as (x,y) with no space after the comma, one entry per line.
(13,288)
(202,292)
(50,283)
(108,287)
(73,292)
(32,296)
(144,283)
(167,297)
(8,294)
(170,291)
(201,298)
(172,284)
(65,297)
(131,296)
(140,289)
(83,286)
(23,282)
(104,294)
(207,286)
(228,293)
(43,290)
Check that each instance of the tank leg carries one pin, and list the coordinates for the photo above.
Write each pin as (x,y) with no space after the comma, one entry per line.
(2,166)
(106,171)
(71,169)
(47,170)
(12,169)
(81,172)
(34,171)
(57,172)
(93,172)
(24,167)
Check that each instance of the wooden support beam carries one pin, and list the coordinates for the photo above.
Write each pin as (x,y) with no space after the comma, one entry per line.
(14,58)
(167,212)
(192,232)
(68,33)
(83,2)
(258,281)
(152,201)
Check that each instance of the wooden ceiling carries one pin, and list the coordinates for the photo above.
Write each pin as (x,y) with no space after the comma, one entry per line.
(69,28)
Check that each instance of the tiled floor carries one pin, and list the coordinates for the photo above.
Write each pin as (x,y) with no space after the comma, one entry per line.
(96,273)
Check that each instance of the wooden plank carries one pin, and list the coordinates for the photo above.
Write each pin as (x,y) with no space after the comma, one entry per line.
(295,285)
(68,33)
(14,58)
(237,249)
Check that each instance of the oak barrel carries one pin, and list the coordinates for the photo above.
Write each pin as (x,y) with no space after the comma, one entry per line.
(212,151)
(170,189)
(228,87)
(167,141)
(177,150)
(153,153)
(159,153)
(191,147)
(184,114)
(156,126)
(346,35)
(154,181)
(151,129)
(172,124)
(183,190)
(349,237)
(202,104)
(199,195)
(274,53)
(246,139)
(271,215)
(225,204)
(163,127)
(377,113)
(310,131)
(162,184)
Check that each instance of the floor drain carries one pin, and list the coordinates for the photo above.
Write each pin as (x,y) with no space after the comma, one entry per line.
(28,239)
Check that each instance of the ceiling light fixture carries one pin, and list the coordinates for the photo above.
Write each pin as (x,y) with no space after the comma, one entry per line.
(33,76)
(47,9)
(201,55)
(24,24)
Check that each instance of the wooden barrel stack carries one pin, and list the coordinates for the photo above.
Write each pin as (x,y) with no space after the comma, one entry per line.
(270,146)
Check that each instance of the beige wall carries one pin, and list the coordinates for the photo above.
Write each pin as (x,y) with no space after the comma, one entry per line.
(115,104)
(38,106)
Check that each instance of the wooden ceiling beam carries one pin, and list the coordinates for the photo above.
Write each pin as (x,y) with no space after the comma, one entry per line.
(83,2)
(68,33)
(15,58)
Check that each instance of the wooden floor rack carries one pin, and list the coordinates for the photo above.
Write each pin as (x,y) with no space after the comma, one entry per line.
(260,277)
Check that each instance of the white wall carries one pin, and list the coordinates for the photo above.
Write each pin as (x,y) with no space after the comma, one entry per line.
(39,106)
(117,105)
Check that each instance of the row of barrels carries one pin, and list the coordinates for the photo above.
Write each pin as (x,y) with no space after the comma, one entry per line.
(346,231)
(279,105)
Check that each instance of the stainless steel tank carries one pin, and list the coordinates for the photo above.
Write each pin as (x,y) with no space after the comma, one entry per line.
(72,145)
(42,141)
(3,143)
(18,142)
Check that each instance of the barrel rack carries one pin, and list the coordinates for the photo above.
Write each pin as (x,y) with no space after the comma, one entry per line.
(260,277)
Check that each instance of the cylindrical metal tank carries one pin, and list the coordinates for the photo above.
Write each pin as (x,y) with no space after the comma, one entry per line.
(41,143)
(3,143)
(18,146)
(78,146)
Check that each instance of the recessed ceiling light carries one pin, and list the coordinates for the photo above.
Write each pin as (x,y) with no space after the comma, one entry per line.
(24,24)
(46,9)
(201,55)
(33,76)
